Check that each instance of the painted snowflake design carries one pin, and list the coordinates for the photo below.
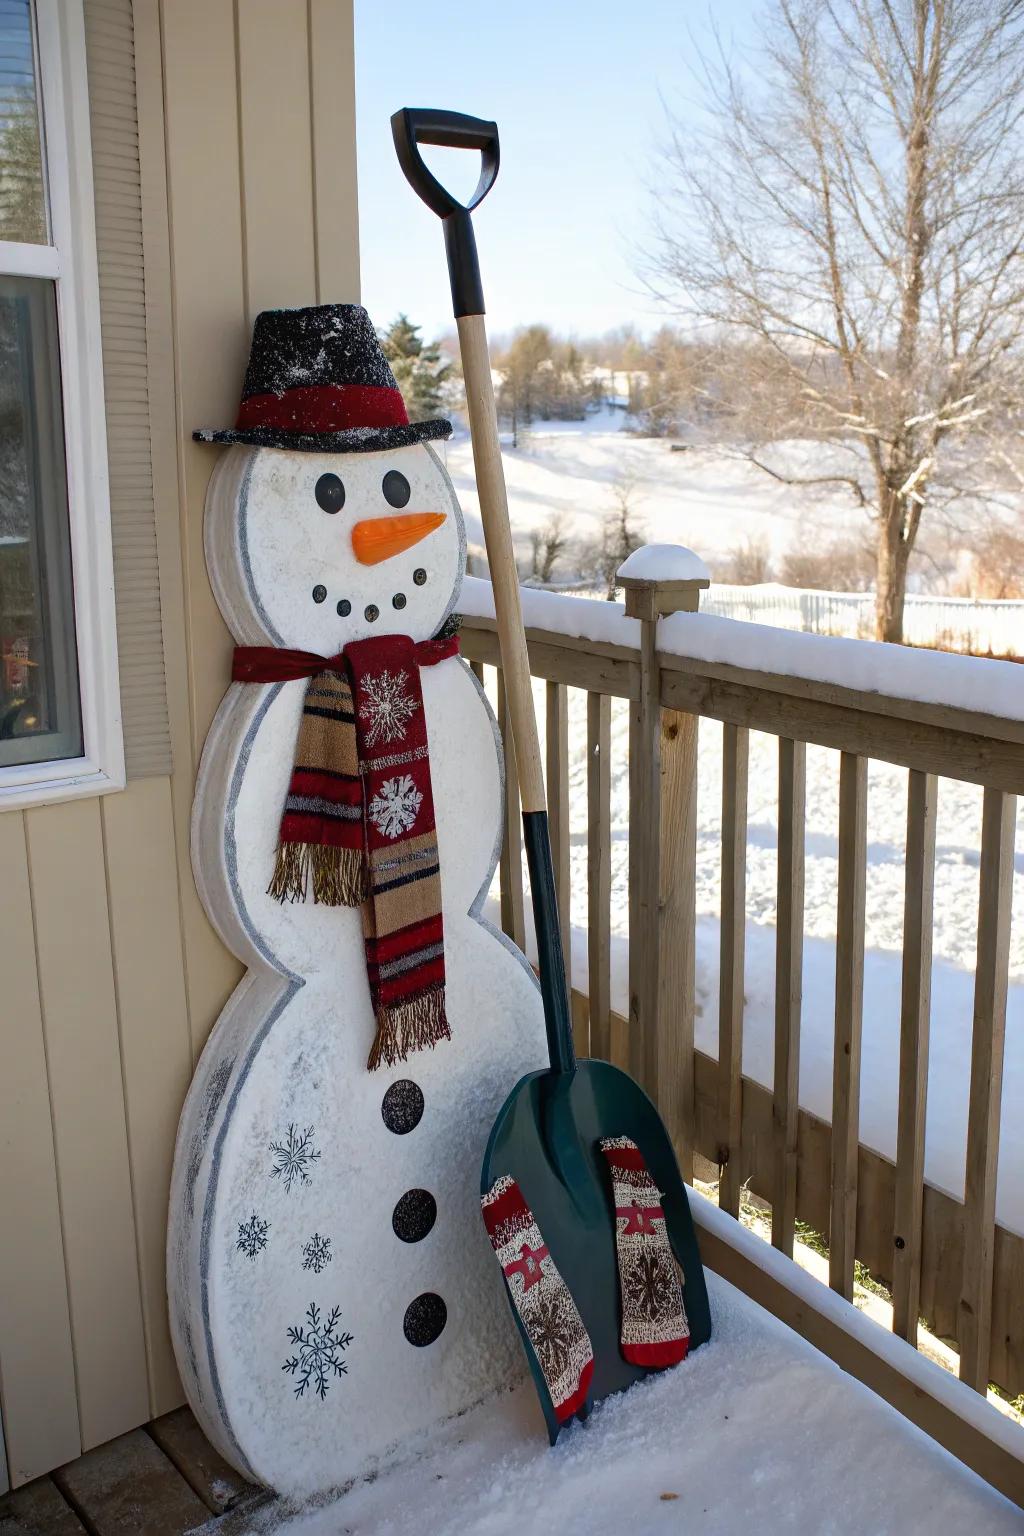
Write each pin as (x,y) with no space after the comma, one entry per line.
(316,1254)
(293,1157)
(549,1328)
(252,1236)
(387,706)
(654,1283)
(393,810)
(319,1348)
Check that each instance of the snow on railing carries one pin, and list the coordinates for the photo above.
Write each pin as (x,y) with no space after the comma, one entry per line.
(974,683)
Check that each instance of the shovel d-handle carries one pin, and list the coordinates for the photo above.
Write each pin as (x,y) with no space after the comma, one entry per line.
(411,127)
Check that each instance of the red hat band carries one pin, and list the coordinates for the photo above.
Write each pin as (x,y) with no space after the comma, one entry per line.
(324,408)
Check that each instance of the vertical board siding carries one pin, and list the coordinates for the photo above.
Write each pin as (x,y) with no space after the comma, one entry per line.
(208,206)
(37,1374)
(276,155)
(76,990)
(332,88)
(211,335)
(138,835)
(117,183)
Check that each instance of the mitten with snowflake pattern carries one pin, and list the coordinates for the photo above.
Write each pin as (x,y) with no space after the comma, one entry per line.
(654,1330)
(541,1297)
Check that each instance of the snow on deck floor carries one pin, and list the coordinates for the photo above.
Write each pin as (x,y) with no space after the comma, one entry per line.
(756,1432)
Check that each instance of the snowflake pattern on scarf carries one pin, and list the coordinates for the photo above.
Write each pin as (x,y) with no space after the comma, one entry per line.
(387,707)
(393,810)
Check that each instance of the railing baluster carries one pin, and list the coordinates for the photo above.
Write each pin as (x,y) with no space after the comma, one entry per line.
(599,873)
(662,857)
(511,866)
(735,765)
(558,806)
(915,1014)
(644,860)
(853,782)
(789,960)
(478,668)
(677,923)
(990,986)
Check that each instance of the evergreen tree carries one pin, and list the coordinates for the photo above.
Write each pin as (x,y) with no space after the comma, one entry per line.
(419,369)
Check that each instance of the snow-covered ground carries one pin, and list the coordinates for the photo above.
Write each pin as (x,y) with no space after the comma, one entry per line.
(700,497)
(756,1431)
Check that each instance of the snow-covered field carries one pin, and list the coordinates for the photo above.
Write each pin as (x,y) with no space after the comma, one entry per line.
(756,1431)
(699,497)
(711,505)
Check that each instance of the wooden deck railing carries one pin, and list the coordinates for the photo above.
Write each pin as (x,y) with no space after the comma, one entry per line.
(946,1260)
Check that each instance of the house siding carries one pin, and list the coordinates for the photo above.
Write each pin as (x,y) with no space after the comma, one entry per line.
(224,143)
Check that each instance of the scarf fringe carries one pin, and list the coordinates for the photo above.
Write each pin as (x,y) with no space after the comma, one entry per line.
(339,875)
(410,1026)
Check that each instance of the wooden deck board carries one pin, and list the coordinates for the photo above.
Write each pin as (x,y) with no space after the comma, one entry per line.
(183,1442)
(38,1509)
(130,1488)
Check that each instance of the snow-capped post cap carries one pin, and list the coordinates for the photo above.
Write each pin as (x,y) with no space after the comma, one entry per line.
(662,578)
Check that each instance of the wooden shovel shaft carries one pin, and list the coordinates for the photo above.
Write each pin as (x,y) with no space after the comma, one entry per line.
(490,479)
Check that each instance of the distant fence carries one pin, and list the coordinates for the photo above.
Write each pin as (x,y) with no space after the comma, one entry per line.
(952,623)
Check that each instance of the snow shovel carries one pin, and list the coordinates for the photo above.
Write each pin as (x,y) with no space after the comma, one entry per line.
(548,1133)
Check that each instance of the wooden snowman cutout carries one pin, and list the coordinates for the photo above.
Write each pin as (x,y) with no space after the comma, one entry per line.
(332,1290)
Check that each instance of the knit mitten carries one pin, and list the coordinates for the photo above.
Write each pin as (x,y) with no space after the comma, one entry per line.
(541,1297)
(654,1328)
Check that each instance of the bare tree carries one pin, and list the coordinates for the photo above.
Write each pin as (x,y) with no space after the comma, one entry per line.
(998,565)
(547,544)
(844,566)
(621,533)
(856,212)
(747,564)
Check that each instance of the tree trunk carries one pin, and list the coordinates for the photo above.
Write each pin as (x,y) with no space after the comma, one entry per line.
(893,558)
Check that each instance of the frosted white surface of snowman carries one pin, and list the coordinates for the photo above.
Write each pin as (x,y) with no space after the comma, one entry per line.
(332,1290)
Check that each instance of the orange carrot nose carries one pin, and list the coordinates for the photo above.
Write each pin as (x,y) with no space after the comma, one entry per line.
(378,538)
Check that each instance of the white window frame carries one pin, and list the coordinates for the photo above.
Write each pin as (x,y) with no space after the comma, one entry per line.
(70,261)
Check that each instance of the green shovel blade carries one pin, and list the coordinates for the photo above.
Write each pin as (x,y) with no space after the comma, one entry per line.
(547,1137)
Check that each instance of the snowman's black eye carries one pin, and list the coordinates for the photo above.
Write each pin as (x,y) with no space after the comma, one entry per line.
(330,493)
(396,489)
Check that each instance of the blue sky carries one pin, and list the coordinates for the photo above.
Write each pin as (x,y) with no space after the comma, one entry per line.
(576,89)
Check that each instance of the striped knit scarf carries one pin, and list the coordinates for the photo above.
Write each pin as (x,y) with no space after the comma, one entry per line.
(358,823)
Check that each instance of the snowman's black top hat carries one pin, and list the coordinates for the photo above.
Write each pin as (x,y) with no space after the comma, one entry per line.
(318,382)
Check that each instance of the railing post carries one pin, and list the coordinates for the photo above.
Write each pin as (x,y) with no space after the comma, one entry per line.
(662,850)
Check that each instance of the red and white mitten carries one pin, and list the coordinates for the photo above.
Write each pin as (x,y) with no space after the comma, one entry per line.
(654,1328)
(541,1297)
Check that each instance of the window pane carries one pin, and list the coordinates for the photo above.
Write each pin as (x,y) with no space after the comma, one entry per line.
(22,208)
(40,717)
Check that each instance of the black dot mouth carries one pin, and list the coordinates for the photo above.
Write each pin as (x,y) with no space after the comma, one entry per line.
(371,613)
(319,593)
(399,600)
(344,608)
(419,576)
